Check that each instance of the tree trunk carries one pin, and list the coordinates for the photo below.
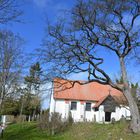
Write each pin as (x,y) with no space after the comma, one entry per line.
(29,118)
(135,122)
(34,112)
(1,102)
(1,97)
(21,109)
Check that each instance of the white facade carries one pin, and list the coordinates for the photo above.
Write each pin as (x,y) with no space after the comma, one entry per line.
(80,114)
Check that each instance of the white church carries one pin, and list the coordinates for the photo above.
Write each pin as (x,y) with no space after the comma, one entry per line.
(89,102)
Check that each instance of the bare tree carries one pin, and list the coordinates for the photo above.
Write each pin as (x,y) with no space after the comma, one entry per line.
(71,44)
(9,11)
(10,63)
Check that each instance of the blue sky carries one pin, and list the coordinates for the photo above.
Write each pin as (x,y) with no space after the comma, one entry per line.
(33,30)
(35,11)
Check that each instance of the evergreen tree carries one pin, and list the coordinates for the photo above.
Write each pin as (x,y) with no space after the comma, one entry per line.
(33,82)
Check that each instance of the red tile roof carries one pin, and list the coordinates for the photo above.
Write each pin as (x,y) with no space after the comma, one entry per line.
(88,92)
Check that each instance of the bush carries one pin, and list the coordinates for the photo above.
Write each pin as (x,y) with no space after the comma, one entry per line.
(113,120)
(54,123)
(43,121)
(123,119)
(70,119)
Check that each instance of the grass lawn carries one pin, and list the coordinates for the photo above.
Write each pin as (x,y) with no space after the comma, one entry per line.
(81,131)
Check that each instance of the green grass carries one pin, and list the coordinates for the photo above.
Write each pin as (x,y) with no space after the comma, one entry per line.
(26,131)
(81,131)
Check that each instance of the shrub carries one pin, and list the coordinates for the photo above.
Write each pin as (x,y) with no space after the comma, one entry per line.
(113,120)
(70,119)
(123,119)
(54,123)
(44,120)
